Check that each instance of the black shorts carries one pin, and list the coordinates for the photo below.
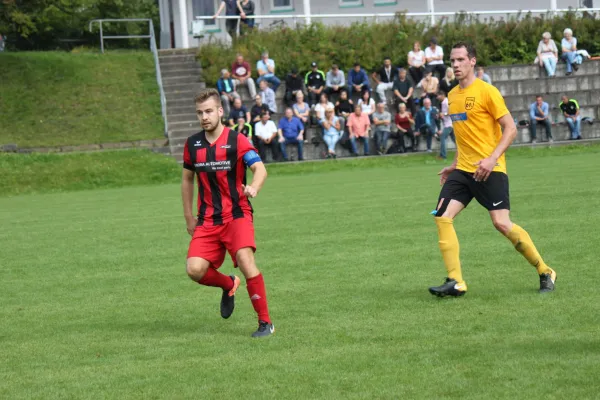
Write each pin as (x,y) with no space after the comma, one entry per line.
(491,194)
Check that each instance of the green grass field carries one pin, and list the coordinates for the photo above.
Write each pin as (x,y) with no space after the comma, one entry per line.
(96,303)
(56,98)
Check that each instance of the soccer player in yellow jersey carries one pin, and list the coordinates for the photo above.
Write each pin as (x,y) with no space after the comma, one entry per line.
(484,129)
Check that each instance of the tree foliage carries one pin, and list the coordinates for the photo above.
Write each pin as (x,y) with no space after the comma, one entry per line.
(49,24)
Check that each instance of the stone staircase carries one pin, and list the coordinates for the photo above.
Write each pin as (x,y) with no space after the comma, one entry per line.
(181,81)
(519,84)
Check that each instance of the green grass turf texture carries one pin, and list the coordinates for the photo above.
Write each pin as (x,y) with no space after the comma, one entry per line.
(96,303)
(56,98)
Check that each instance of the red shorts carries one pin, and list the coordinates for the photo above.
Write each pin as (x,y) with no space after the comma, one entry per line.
(210,242)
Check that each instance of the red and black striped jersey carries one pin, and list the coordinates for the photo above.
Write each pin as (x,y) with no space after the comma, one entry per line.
(220,170)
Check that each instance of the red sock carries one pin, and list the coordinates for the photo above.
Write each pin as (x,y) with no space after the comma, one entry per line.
(216,279)
(258,297)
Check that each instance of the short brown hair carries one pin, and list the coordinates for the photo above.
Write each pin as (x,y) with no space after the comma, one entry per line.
(471,52)
(206,94)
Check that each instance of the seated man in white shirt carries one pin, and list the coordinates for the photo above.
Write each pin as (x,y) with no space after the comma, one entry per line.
(434,57)
(265,134)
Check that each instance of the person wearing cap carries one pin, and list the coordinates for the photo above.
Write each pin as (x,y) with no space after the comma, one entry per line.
(335,81)
(226,89)
(384,78)
(315,83)
(358,80)
(293,85)
(434,56)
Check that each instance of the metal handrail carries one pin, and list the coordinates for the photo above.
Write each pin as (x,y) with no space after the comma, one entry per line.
(153,49)
(431,14)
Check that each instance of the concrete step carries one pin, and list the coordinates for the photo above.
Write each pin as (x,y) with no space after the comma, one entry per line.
(584,98)
(181,80)
(186,117)
(176,107)
(169,68)
(172,52)
(194,71)
(187,95)
(185,124)
(574,83)
(176,59)
(588,111)
(184,87)
(519,72)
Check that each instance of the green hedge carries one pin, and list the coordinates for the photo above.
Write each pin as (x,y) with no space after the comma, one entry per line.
(512,41)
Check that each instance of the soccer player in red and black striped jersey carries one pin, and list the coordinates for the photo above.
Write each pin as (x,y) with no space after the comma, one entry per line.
(218,158)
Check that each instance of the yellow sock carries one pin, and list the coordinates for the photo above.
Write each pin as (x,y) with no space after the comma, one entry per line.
(450,248)
(523,244)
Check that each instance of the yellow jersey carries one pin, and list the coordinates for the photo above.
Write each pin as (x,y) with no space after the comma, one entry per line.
(475,111)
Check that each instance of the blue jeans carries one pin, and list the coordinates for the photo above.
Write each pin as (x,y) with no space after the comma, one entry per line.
(295,141)
(381,139)
(533,128)
(570,59)
(550,65)
(574,127)
(365,141)
(365,88)
(428,132)
(273,80)
(331,140)
(445,133)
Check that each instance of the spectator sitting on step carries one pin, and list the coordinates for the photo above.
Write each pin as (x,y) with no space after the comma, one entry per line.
(344,107)
(268,96)
(570,110)
(266,71)
(331,131)
(434,55)
(293,86)
(244,128)
(404,124)
(430,85)
(449,81)
(335,81)
(367,104)
(301,109)
(315,83)
(539,113)
(569,51)
(426,123)
(226,88)
(480,73)
(257,109)
(403,90)
(382,121)
(384,79)
(416,63)
(320,108)
(358,80)
(359,127)
(291,131)
(238,111)
(265,134)
(242,74)
(246,9)
(547,54)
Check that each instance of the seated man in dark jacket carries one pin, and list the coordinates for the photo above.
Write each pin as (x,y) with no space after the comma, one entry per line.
(427,123)
(293,85)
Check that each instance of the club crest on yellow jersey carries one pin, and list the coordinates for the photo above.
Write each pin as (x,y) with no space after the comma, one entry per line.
(469,103)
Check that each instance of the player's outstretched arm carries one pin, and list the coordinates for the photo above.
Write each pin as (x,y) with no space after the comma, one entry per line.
(509,132)
(259,176)
(187,197)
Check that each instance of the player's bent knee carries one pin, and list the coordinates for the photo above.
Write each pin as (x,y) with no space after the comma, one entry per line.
(503,226)
(196,267)
(245,261)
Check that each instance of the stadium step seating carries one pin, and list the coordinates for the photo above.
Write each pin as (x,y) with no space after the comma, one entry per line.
(519,84)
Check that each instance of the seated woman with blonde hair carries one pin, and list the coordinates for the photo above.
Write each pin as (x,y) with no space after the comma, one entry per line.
(547,54)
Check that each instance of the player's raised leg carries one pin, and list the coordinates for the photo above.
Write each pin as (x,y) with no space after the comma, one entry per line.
(256,290)
(454,285)
(202,271)
(524,245)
